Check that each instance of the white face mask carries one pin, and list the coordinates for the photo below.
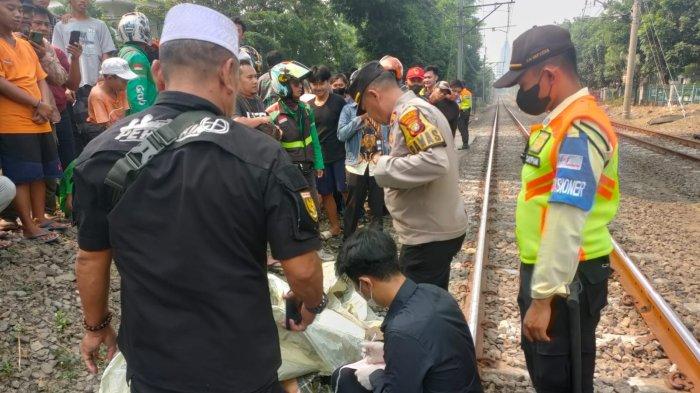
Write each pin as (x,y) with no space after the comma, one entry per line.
(370,302)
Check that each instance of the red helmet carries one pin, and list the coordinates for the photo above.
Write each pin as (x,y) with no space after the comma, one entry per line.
(390,63)
(415,72)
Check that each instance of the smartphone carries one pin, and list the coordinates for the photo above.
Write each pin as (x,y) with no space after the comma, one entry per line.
(74,37)
(292,312)
(37,38)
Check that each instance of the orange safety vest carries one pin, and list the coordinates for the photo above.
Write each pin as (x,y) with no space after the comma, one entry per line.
(537,183)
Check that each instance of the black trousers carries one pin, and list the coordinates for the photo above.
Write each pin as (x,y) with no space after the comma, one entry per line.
(361,188)
(344,380)
(463,126)
(430,262)
(549,363)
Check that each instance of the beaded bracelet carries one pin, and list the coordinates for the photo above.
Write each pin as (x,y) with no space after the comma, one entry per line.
(100,326)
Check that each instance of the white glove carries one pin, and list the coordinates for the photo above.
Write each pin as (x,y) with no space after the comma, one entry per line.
(373,352)
(363,374)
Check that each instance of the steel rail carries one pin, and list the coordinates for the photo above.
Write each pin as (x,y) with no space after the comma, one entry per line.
(678,342)
(679,140)
(473,309)
(657,148)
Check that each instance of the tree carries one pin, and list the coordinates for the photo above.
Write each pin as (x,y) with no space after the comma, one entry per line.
(303,30)
(669,40)
(418,32)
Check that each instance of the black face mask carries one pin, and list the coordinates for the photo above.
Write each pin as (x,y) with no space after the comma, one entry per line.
(529,102)
(416,88)
(340,91)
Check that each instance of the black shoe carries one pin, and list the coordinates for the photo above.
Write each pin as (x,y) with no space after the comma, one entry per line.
(464,147)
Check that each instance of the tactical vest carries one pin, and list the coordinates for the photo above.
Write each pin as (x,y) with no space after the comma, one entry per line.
(537,182)
(296,131)
(465,99)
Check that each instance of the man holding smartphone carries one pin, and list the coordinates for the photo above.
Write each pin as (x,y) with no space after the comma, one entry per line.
(94,36)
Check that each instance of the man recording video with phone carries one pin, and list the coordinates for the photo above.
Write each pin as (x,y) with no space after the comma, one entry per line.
(94,36)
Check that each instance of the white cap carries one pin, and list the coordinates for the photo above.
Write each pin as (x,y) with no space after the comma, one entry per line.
(195,22)
(117,66)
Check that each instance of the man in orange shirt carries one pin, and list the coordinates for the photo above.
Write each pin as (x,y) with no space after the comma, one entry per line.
(27,148)
(107,102)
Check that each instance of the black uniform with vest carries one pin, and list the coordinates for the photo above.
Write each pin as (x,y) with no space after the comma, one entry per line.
(189,238)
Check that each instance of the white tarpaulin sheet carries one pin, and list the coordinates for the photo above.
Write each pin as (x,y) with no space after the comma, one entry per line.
(331,341)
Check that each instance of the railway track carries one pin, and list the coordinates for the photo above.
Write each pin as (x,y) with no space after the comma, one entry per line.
(627,353)
(659,141)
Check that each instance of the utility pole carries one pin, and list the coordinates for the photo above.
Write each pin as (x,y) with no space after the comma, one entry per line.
(631,57)
(460,49)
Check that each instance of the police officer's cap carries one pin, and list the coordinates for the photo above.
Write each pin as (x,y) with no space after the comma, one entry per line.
(533,47)
(363,78)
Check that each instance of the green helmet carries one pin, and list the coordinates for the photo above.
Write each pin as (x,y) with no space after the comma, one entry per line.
(282,73)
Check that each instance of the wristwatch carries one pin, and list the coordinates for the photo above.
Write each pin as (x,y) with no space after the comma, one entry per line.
(321,306)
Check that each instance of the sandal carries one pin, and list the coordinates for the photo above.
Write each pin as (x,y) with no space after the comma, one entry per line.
(52,225)
(8,225)
(43,237)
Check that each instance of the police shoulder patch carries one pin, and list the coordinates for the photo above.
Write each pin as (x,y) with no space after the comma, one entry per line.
(309,204)
(419,133)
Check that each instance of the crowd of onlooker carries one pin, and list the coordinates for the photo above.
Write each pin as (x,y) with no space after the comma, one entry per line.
(337,158)
(63,81)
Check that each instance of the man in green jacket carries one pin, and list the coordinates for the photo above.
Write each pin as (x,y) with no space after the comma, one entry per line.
(134,30)
(296,120)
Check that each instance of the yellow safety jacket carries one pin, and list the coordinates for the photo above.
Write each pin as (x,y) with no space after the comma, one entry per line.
(465,99)
(538,175)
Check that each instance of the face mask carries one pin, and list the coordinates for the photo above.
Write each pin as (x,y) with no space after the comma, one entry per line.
(340,91)
(370,302)
(529,102)
(416,88)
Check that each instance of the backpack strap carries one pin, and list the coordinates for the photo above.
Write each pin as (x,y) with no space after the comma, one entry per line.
(127,168)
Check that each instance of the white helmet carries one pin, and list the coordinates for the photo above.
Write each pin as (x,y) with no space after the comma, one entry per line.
(134,27)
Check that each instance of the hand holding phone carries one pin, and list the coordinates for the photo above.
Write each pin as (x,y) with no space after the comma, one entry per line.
(292,312)
(74,37)
(36,38)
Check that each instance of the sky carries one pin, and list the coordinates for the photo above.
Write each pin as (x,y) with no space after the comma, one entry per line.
(524,15)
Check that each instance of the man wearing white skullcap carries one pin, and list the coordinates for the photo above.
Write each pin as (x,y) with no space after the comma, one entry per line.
(185,201)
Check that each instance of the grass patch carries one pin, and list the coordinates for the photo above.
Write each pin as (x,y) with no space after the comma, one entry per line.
(61,321)
(67,364)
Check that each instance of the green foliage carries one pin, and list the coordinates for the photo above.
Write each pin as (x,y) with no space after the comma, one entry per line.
(303,30)
(419,32)
(61,321)
(6,369)
(602,42)
(67,364)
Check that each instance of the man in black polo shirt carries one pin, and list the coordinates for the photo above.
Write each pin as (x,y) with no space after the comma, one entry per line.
(427,346)
(189,232)
(327,107)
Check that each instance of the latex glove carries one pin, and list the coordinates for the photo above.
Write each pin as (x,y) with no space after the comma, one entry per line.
(363,374)
(373,352)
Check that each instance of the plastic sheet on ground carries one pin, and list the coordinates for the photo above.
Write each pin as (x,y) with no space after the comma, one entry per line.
(330,342)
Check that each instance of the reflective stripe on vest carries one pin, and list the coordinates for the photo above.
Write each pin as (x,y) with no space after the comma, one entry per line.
(297,144)
(465,99)
(536,187)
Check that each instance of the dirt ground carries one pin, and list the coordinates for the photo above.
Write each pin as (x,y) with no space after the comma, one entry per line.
(641,115)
